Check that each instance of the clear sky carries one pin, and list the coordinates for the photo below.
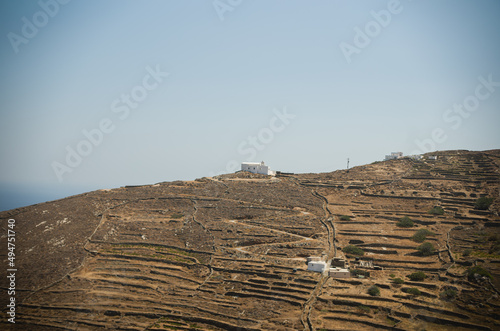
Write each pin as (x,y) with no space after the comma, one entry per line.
(101,94)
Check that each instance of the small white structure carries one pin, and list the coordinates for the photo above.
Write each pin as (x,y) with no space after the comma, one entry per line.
(394,156)
(365,264)
(316,266)
(339,273)
(257,168)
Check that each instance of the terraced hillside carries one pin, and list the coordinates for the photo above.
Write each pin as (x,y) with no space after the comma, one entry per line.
(229,252)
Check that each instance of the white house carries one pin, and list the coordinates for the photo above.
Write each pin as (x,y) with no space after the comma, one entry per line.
(339,273)
(317,266)
(257,168)
(393,156)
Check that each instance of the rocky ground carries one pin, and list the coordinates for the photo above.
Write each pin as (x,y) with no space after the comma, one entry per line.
(229,252)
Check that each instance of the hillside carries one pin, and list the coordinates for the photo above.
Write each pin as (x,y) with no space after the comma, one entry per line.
(229,252)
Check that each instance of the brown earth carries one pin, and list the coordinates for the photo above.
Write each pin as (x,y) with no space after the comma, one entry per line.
(229,252)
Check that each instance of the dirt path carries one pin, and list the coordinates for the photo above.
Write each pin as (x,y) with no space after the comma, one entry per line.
(243,250)
(332,251)
(269,229)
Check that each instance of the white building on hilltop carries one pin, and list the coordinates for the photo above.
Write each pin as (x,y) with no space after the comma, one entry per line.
(257,168)
(394,156)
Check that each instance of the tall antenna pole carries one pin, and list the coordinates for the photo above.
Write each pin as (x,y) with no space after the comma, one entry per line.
(347,163)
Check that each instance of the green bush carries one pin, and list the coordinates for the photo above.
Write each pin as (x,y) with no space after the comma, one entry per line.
(355,250)
(478,270)
(493,237)
(448,294)
(483,203)
(412,291)
(495,248)
(437,210)
(467,252)
(392,275)
(426,249)
(417,276)
(374,291)
(421,235)
(356,272)
(398,281)
(364,308)
(345,218)
(405,222)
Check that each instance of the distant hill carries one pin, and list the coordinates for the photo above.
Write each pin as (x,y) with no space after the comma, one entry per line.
(229,252)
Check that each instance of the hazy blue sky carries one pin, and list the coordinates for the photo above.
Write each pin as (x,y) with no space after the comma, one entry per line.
(358,79)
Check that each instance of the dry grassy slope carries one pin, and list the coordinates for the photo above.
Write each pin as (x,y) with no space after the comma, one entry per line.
(229,252)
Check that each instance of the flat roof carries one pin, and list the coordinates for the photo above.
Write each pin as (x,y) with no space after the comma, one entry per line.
(258,163)
(339,270)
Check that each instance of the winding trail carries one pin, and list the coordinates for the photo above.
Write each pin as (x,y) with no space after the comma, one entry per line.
(243,250)
(213,244)
(270,229)
(332,251)
(84,259)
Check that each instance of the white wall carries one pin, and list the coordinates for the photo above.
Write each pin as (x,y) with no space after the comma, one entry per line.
(257,168)
(316,266)
(339,273)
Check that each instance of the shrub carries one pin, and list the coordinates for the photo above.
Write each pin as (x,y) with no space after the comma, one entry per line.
(421,235)
(467,252)
(448,294)
(412,291)
(345,218)
(392,275)
(493,237)
(437,210)
(374,291)
(417,276)
(483,203)
(364,308)
(426,249)
(398,281)
(477,270)
(390,321)
(355,250)
(495,248)
(405,222)
(356,272)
